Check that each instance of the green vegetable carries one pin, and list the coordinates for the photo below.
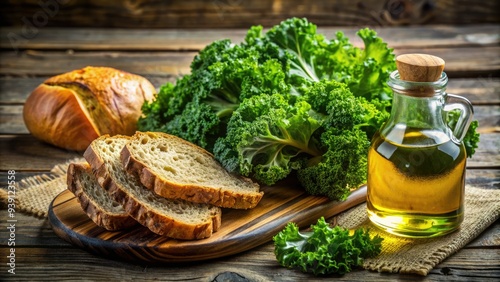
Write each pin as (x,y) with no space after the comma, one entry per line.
(319,135)
(325,250)
(200,104)
(266,137)
(288,100)
(471,138)
(310,57)
(342,167)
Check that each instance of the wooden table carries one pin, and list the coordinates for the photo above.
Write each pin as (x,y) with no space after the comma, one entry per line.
(473,65)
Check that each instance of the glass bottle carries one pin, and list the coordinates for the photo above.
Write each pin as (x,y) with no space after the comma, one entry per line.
(416,163)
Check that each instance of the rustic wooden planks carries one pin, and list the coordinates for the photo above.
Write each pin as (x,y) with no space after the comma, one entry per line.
(257,265)
(99,39)
(24,152)
(43,256)
(49,63)
(238,13)
(460,62)
(241,230)
(46,251)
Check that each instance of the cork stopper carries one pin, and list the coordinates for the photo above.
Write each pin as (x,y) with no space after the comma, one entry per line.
(420,68)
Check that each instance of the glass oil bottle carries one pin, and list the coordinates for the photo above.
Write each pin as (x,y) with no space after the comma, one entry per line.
(416,163)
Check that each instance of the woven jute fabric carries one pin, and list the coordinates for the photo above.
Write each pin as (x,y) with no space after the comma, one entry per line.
(34,194)
(419,256)
(399,255)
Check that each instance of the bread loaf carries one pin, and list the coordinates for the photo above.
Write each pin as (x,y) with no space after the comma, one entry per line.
(177,169)
(95,201)
(72,109)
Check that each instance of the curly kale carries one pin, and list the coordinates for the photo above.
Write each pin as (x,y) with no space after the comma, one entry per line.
(200,104)
(341,168)
(318,135)
(266,136)
(308,57)
(282,101)
(471,139)
(325,250)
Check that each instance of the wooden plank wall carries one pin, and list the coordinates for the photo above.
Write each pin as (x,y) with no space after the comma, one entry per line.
(242,14)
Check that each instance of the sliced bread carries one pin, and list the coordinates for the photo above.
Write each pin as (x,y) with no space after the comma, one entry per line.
(96,203)
(173,218)
(177,169)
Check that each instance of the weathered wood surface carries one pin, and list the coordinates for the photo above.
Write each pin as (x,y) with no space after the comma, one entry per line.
(240,230)
(239,13)
(63,262)
(165,54)
(94,39)
(460,62)
(41,250)
(471,52)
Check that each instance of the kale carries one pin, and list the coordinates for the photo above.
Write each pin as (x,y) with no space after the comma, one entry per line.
(324,250)
(282,101)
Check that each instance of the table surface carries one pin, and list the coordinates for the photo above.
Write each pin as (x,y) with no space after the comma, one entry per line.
(473,65)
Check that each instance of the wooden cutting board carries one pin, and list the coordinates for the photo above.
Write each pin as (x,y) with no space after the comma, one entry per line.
(241,230)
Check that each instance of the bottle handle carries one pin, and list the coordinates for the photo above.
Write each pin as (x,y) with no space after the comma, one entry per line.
(454,102)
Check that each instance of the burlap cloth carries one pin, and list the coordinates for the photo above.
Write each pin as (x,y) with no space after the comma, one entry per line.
(399,255)
(419,256)
(34,194)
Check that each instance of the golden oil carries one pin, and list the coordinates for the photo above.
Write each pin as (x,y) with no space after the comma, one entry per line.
(416,162)
(416,187)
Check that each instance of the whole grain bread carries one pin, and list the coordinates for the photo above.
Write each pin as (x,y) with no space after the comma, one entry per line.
(173,218)
(177,169)
(96,203)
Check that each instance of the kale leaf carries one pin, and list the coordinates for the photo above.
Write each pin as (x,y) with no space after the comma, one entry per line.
(324,250)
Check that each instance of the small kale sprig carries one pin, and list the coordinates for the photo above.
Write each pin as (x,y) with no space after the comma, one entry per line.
(324,250)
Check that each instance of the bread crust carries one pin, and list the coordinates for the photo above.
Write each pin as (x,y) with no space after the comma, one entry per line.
(72,109)
(103,218)
(47,116)
(157,223)
(189,192)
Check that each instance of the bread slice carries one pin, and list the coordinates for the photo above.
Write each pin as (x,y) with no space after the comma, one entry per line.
(96,203)
(174,168)
(173,218)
